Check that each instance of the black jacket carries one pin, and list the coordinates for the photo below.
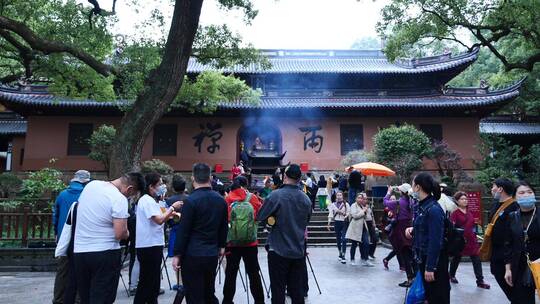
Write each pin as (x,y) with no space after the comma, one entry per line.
(501,230)
(292,210)
(518,248)
(203,226)
(355,180)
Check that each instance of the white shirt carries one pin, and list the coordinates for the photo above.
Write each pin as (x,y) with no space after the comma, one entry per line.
(309,182)
(100,202)
(148,233)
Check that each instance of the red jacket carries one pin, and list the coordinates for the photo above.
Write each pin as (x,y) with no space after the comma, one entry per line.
(239,195)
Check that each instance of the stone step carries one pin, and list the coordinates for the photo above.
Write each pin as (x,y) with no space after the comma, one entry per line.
(321,241)
(324,233)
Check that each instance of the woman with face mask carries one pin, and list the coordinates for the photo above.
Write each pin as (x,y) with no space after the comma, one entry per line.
(462,218)
(524,242)
(149,239)
(428,240)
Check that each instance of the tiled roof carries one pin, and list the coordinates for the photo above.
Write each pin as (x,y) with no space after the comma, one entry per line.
(346,62)
(12,127)
(35,102)
(509,128)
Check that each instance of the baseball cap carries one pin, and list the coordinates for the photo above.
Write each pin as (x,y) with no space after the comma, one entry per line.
(81,176)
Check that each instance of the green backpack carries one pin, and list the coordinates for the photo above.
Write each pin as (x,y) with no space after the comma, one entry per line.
(242,227)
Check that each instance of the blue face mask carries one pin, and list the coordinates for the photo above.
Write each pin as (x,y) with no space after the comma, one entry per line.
(161,190)
(527,202)
(415,196)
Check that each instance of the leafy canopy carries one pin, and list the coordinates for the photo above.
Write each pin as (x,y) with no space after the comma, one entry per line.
(491,24)
(401,148)
(126,61)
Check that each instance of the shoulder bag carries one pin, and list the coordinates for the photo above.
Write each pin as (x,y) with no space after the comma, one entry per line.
(485,250)
(68,233)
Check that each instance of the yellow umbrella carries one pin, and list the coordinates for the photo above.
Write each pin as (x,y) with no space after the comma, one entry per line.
(374,169)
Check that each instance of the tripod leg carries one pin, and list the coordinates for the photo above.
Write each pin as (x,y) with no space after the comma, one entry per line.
(242,279)
(166,272)
(247,291)
(264,284)
(124,283)
(312,272)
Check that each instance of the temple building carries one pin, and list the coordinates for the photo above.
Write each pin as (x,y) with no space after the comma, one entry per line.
(317,105)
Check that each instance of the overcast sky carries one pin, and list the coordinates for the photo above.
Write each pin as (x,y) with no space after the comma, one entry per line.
(286,24)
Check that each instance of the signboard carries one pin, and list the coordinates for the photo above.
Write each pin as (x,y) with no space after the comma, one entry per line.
(218,168)
(304,167)
(475,206)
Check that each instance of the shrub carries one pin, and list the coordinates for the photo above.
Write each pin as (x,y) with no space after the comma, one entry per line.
(46,181)
(156,165)
(101,143)
(355,157)
(9,184)
(448,163)
(402,149)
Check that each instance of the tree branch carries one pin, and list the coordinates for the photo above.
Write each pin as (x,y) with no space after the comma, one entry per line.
(48,47)
(10,78)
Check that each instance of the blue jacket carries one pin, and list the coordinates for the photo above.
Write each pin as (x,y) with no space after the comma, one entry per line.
(429,232)
(63,203)
(203,226)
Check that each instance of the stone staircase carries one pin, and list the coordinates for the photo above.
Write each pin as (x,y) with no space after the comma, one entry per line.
(318,235)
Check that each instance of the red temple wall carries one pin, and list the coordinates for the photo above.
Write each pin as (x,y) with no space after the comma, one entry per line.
(47,138)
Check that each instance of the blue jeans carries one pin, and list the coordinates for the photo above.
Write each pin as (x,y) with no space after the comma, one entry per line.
(364,246)
(340,227)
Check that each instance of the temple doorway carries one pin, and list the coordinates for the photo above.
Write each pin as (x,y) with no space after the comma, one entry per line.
(260,146)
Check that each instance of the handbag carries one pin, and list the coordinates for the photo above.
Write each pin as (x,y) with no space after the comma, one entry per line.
(417,294)
(68,233)
(484,253)
(534,267)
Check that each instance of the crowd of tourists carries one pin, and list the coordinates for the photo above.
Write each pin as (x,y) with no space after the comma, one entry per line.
(424,223)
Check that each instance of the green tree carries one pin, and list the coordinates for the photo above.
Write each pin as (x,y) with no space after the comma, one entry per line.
(533,162)
(498,159)
(402,149)
(75,47)
(101,144)
(491,23)
(366,43)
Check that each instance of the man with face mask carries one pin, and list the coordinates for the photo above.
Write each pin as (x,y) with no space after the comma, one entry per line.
(503,205)
(101,222)
(200,238)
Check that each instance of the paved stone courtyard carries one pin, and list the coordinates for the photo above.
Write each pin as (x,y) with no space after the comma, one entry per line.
(339,284)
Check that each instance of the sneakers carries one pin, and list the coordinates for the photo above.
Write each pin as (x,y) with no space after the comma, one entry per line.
(385,263)
(453,280)
(372,257)
(161,291)
(353,263)
(132,291)
(367,263)
(342,260)
(405,284)
(482,284)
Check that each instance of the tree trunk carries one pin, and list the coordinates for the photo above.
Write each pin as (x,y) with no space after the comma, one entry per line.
(161,87)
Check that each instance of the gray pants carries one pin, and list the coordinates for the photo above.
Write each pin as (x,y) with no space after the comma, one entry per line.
(61,280)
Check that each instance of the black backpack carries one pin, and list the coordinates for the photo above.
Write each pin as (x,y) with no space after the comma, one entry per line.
(453,237)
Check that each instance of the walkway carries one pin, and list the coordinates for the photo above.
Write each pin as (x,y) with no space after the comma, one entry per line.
(341,284)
